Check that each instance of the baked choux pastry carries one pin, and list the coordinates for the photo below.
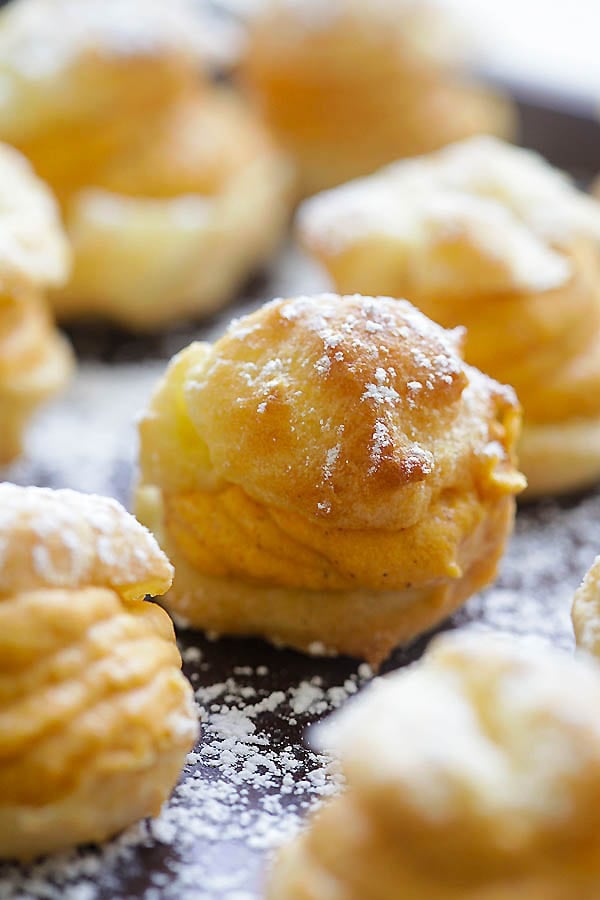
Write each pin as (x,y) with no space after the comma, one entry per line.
(171,190)
(96,717)
(329,475)
(586,611)
(472,775)
(173,230)
(488,236)
(35,360)
(85,79)
(348,86)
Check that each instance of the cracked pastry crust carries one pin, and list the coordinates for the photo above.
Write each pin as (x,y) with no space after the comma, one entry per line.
(472,775)
(35,360)
(491,237)
(328,471)
(349,86)
(95,715)
(172,192)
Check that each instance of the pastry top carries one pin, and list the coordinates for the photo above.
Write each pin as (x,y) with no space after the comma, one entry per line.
(207,139)
(64,539)
(63,58)
(354,410)
(422,29)
(510,212)
(33,247)
(496,739)
(586,610)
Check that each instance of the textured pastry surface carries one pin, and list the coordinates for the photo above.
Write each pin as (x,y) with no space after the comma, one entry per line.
(491,237)
(475,774)
(172,191)
(350,86)
(586,610)
(331,471)
(35,361)
(95,715)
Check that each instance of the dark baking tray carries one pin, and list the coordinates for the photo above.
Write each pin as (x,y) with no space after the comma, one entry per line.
(252,779)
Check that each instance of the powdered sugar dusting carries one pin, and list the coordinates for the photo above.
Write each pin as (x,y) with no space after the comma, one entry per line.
(506,203)
(199,849)
(58,538)
(113,28)
(245,785)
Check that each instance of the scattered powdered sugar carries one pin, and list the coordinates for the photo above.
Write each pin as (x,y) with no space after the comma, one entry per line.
(553,547)
(251,780)
(86,438)
(246,787)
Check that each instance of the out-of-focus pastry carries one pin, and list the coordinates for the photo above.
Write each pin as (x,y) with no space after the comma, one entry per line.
(328,474)
(172,192)
(85,79)
(488,236)
(586,611)
(472,775)
(95,715)
(174,229)
(35,360)
(348,86)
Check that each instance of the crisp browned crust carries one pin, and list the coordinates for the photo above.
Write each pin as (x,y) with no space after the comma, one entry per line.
(459,232)
(330,470)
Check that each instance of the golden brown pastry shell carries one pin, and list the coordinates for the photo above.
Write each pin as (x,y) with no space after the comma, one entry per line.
(268,534)
(95,715)
(349,97)
(545,344)
(171,231)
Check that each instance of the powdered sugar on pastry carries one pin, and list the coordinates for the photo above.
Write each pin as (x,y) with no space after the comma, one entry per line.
(113,28)
(505,202)
(67,539)
(33,247)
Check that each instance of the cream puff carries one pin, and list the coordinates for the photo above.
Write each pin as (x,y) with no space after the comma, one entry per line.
(95,716)
(328,471)
(172,192)
(35,360)
(488,236)
(472,775)
(172,230)
(348,86)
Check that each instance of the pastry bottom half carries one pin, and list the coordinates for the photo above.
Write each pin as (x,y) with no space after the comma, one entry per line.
(351,851)
(25,390)
(561,457)
(97,809)
(363,623)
